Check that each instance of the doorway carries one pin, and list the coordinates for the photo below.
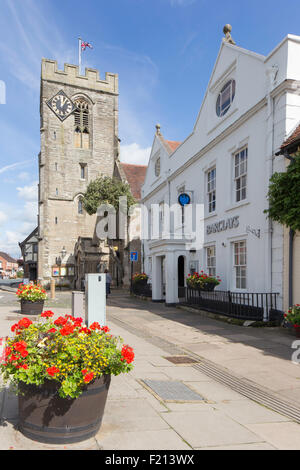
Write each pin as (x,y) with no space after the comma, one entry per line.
(181,277)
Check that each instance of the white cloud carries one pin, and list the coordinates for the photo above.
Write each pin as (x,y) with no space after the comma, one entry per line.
(28,193)
(13,166)
(133,153)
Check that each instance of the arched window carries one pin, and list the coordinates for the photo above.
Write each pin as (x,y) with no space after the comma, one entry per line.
(82,124)
(80,206)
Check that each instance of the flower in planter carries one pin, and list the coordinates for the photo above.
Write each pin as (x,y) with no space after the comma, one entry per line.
(31,292)
(138,277)
(63,351)
(293,316)
(202,281)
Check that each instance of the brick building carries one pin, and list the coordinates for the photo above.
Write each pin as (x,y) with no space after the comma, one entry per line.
(8,265)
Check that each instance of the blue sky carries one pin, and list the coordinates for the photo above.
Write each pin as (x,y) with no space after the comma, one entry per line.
(163,50)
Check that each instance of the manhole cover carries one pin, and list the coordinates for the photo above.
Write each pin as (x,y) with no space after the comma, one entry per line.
(181,360)
(172,390)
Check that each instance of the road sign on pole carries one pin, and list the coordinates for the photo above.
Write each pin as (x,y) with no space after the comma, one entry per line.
(134,256)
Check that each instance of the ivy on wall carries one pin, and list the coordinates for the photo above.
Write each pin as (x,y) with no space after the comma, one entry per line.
(284,196)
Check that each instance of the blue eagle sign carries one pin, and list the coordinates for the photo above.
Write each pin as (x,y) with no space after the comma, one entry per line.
(184,199)
(134,256)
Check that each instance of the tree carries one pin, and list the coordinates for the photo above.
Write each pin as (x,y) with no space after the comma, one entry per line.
(284,196)
(106,190)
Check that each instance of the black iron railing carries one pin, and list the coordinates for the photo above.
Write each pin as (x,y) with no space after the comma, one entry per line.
(241,305)
(141,289)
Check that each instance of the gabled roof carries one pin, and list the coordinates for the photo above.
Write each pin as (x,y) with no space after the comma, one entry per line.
(7,257)
(33,233)
(135,175)
(173,144)
(293,139)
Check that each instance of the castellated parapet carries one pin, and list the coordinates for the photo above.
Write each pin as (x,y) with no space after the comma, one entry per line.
(91,80)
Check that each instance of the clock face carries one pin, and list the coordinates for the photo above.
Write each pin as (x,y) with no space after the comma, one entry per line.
(61,105)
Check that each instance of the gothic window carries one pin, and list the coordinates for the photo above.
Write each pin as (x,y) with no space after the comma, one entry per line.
(80,206)
(82,124)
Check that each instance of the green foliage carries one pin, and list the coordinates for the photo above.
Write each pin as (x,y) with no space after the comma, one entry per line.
(64,351)
(284,196)
(106,190)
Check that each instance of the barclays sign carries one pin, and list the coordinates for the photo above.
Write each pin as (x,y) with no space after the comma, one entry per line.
(232,222)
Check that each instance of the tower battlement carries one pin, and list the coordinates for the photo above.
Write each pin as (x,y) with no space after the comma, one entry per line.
(70,75)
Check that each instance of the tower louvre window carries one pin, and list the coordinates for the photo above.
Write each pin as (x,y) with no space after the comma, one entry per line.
(81,124)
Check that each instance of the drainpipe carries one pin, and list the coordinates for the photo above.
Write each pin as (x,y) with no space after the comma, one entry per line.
(291,267)
(270,153)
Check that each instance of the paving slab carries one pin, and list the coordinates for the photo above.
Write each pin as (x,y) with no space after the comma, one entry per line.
(248,412)
(209,428)
(148,440)
(283,436)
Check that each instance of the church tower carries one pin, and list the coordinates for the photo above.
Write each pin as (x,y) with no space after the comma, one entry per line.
(79,142)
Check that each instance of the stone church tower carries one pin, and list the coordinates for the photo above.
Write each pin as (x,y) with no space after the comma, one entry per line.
(79,142)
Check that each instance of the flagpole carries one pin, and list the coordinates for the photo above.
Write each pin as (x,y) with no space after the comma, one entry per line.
(79,55)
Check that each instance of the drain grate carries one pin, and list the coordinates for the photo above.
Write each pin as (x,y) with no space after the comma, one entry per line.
(181,360)
(172,391)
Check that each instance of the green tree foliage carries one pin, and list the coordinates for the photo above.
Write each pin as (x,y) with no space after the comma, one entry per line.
(284,196)
(106,190)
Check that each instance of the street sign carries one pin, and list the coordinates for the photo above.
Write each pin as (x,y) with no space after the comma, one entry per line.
(134,256)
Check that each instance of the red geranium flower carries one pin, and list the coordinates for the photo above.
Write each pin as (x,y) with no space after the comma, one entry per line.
(127,354)
(52,330)
(24,323)
(67,330)
(60,321)
(95,326)
(47,314)
(105,329)
(88,377)
(52,371)
(84,371)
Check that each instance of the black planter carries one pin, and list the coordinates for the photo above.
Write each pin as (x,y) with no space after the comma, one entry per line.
(208,287)
(45,417)
(31,308)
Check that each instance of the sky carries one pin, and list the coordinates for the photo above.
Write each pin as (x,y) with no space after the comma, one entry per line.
(163,50)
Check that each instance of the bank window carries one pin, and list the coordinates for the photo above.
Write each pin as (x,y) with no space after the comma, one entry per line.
(240,264)
(211,190)
(240,174)
(211,260)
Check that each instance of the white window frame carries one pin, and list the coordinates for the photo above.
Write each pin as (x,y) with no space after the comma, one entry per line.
(240,264)
(222,111)
(211,186)
(211,260)
(240,173)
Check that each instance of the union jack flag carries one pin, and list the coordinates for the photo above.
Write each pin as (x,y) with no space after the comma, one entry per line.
(84,45)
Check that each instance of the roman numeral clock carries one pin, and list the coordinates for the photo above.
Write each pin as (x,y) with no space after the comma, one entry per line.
(61,105)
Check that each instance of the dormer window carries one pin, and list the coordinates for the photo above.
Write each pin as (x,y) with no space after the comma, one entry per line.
(225,98)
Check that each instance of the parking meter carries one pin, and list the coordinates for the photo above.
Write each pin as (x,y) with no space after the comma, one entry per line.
(95,298)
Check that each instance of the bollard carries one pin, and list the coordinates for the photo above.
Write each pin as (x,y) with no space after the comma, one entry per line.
(77,304)
(95,298)
(52,287)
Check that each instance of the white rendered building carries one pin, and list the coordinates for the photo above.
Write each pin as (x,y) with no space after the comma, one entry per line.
(251,104)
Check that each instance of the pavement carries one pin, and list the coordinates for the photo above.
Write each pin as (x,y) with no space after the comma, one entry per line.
(139,417)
